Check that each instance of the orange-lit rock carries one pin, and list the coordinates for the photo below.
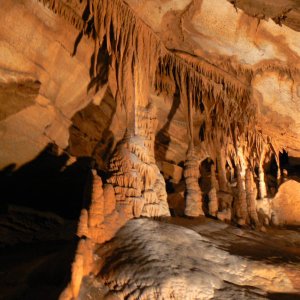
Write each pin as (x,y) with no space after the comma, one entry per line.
(286,204)
(211,85)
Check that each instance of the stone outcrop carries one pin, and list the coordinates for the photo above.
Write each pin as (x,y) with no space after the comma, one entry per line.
(192,264)
(285,205)
(36,63)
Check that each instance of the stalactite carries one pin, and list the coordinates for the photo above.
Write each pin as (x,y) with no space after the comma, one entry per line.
(212,195)
(134,47)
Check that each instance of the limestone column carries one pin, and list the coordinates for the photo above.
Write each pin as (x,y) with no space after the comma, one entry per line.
(193,204)
(221,163)
(251,197)
(261,176)
(139,186)
(240,201)
(213,204)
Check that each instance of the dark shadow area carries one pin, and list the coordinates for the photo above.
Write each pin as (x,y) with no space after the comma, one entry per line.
(271,170)
(47,184)
(283,296)
(90,135)
(291,165)
(34,271)
(205,182)
(40,207)
(259,252)
(99,68)
(162,135)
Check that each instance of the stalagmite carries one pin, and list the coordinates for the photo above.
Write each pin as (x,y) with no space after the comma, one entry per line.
(251,197)
(96,210)
(225,215)
(77,269)
(193,196)
(261,183)
(97,224)
(221,163)
(261,173)
(242,164)
(91,222)
(212,195)
(240,204)
(138,184)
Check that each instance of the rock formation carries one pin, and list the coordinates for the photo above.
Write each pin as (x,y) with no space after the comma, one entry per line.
(193,207)
(213,204)
(148,91)
(138,184)
(251,196)
(204,271)
(96,225)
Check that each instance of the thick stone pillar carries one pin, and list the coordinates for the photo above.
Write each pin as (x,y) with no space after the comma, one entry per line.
(139,186)
(240,201)
(213,204)
(262,189)
(193,204)
(221,163)
(251,194)
(261,183)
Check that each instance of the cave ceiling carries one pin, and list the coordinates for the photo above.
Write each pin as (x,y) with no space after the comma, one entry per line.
(254,44)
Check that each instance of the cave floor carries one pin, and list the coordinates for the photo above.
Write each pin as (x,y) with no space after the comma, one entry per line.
(276,245)
(37,250)
(199,258)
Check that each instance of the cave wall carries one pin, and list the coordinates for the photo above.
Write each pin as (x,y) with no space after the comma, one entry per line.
(35,51)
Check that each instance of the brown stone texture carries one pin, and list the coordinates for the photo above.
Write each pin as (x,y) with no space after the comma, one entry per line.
(189,91)
(286,204)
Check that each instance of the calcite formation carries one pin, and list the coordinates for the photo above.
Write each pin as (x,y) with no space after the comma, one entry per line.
(213,204)
(97,224)
(193,207)
(194,84)
(138,184)
(190,265)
